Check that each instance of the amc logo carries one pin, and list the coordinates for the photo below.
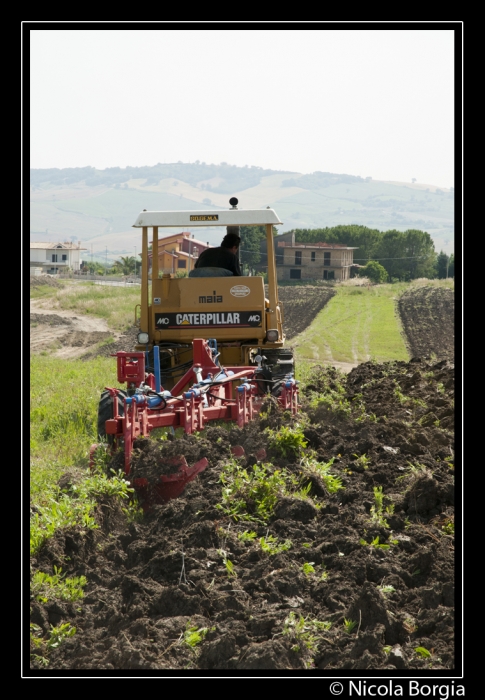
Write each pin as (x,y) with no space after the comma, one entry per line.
(240,290)
(256,318)
(162,321)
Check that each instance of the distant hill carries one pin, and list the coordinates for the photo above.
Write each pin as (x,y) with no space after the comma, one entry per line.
(98,207)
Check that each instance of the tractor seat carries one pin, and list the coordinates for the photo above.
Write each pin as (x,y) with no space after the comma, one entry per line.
(210,272)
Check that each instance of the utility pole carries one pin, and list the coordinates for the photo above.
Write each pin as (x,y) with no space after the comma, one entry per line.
(106,268)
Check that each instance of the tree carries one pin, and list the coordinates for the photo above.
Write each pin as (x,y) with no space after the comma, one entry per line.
(250,248)
(125,265)
(442,261)
(96,268)
(391,253)
(419,248)
(445,265)
(451,266)
(374,271)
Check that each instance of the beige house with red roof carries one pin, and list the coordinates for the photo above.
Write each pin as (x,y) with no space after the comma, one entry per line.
(178,252)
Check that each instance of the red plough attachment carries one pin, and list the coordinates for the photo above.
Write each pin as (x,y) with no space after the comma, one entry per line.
(171,485)
(206,392)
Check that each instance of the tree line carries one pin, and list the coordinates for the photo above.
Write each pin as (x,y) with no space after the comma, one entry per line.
(383,256)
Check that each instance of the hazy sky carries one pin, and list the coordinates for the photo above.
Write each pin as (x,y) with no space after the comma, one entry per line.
(366,102)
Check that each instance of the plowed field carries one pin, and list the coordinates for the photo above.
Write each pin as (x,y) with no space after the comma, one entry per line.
(349,565)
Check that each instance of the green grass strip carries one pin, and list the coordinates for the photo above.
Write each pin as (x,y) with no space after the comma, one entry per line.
(358,324)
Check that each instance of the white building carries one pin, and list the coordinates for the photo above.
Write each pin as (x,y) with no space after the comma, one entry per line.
(56,257)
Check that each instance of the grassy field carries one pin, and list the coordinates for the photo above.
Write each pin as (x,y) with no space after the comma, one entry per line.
(64,397)
(358,324)
(115,304)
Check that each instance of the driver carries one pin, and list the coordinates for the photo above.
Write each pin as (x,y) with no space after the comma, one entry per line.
(222,261)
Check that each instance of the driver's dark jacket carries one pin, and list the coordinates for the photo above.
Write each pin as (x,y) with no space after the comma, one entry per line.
(219,257)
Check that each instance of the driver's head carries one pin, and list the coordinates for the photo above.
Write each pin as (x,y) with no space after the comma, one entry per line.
(231,239)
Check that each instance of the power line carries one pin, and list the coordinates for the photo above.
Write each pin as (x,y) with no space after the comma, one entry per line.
(415,257)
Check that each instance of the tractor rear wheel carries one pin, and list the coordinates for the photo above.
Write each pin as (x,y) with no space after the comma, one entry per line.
(105,412)
(282,364)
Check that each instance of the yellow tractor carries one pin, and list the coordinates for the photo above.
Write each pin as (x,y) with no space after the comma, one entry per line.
(208,348)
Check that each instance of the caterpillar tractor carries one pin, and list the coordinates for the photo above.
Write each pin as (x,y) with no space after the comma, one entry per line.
(208,348)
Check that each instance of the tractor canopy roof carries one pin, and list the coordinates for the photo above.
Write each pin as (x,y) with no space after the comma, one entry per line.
(231,217)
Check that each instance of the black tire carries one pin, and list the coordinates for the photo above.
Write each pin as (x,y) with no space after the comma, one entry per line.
(105,412)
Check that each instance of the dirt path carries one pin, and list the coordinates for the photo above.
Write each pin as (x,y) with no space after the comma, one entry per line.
(64,334)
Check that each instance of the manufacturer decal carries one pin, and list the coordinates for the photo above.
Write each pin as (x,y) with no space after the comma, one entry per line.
(205,217)
(214,299)
(242,319)
(240,290)
(157,300)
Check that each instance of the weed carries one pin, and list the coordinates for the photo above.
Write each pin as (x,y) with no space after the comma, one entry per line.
(247,536)
(409,625)
(422,652)
(449,528)
(419,403)
(287,441)
(375,543)
(303,631)
(414,471)
(322,469)
(260,486)
(56,636)
(227,563)
(303,492)
(378,512)
(62,513)
(449,461)
(399,395)
(362,461)
(349,625)
(386,590)
(308,568)
(441,388)
(45,587)
(193,635)
(253,494)
(270,545)
(77,507)
(387,649)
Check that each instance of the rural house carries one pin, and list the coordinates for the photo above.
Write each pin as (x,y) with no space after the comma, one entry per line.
(178,252)
(52,258)
(312,261)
